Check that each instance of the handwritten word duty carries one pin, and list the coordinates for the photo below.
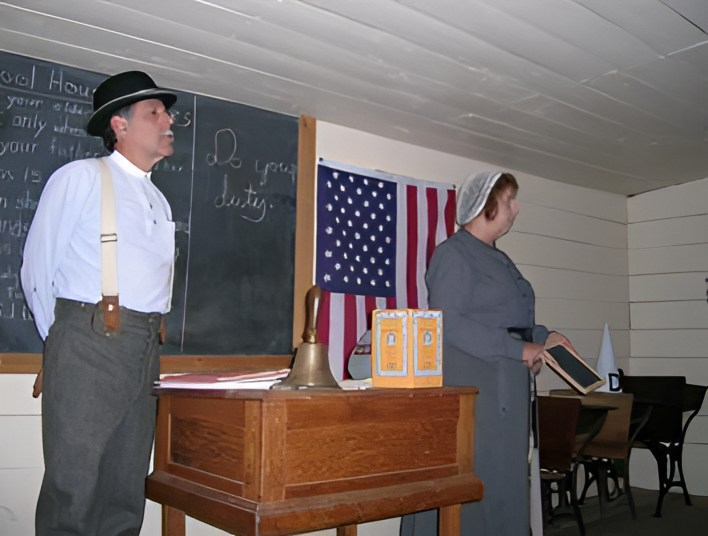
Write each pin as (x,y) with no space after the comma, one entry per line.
(256,205)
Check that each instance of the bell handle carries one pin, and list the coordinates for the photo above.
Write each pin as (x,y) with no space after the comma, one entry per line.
(312,309)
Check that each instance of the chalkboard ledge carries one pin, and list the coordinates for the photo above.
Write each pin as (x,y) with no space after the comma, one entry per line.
(31,363)
(20,363)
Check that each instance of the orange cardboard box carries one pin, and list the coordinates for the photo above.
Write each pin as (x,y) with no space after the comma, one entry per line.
(406,348)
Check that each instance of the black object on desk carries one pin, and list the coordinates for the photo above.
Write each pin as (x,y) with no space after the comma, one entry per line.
(664,432)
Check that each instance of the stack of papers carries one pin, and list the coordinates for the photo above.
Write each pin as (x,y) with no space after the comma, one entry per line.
(356,385)
(222,380)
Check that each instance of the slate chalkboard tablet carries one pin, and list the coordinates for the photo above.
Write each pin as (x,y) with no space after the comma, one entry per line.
(571,368)
(231,183)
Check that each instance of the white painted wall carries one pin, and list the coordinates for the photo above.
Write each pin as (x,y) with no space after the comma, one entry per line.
(571,244)
(668,267)
(21,464)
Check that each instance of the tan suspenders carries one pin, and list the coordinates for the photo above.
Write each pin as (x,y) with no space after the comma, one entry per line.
(109,252)
(109,263)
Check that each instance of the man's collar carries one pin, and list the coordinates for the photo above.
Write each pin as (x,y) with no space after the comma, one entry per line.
(127,166)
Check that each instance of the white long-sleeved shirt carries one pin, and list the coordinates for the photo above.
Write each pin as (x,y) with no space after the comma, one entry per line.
(62,255)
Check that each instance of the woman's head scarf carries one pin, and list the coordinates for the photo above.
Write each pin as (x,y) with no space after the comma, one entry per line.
(473,194)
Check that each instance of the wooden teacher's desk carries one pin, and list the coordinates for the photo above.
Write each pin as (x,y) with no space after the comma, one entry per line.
(273,463)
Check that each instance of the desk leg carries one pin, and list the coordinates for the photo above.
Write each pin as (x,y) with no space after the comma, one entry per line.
(449,520)
(173,522)
(347,530)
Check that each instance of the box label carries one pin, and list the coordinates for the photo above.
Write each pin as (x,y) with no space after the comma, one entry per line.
(392,344)
(427,350)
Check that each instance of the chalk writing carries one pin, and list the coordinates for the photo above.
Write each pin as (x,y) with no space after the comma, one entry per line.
(14,227)
(26,202)
(275,167)
(32,122)
(184,121)
(66,129)
(23,102)
(74,108)
(11,274)
(57,83)
(253,208)
(18,79)
(166,165)
(73,151)
(5,249)
(3,202)
(17,147)
(33,175)
(9,311)
(6,175)
(224,144)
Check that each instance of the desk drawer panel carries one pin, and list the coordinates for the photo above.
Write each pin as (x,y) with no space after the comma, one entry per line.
(393,440)
(208,438)
(208,446)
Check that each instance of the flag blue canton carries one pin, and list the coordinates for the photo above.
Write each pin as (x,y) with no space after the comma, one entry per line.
(356,234)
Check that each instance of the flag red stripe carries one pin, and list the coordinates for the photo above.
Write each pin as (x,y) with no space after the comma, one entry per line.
(431,195)
(412,245)
(450,212)
(323,318)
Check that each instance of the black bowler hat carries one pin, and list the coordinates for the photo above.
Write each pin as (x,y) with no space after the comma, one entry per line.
(122,90)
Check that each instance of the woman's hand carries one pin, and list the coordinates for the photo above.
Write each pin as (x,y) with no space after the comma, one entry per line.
(556,339)
(537,366)
(533,356)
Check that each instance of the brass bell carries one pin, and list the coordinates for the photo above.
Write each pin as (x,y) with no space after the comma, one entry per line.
(310,369)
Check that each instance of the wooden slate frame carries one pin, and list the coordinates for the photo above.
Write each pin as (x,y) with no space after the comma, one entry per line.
(570,372)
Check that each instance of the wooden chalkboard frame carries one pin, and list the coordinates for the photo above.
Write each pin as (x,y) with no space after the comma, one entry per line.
(24,363)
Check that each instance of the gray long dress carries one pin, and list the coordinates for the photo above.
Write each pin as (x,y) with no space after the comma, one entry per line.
(483,295)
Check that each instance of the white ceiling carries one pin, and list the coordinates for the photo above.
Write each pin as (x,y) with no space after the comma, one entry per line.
(609,94)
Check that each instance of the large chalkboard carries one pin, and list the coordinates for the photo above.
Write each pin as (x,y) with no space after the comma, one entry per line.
(231,183)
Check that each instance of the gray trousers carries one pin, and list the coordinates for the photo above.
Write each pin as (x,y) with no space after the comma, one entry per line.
(98,422)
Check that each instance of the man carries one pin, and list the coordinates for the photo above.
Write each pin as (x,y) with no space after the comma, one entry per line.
(98,415)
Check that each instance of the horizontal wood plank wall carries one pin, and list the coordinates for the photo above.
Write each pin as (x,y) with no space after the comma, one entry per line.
(571,244)
(668,267)
(21,462)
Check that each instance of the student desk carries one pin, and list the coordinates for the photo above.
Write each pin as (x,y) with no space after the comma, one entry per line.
(274,463)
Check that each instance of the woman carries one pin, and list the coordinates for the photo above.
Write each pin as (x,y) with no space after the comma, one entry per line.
(492,342)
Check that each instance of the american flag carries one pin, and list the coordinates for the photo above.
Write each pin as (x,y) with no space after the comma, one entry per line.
(376,234)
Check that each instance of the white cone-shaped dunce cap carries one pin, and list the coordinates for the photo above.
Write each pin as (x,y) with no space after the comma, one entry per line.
(606,361)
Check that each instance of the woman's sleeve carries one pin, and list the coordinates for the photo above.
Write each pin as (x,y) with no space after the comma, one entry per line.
(539,334)
(451,285)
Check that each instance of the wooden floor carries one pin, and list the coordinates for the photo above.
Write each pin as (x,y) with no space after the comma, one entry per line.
(677,518)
